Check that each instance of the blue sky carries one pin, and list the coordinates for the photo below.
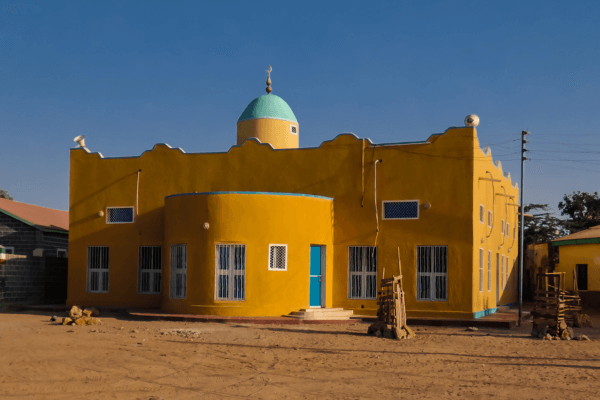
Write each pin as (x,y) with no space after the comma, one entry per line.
(129,74)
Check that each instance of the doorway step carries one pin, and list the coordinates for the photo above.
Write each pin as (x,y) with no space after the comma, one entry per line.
(322,314)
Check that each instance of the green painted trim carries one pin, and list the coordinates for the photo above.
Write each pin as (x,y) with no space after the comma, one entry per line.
(268,106)
(31,223)
(576,241)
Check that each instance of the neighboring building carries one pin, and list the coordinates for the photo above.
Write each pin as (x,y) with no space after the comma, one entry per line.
(268,228)
(36,242)
(580,260)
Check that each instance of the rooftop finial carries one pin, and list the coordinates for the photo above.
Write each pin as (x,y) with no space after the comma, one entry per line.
(268,89)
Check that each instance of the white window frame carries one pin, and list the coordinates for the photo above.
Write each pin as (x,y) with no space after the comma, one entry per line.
(432,274)
(490,218)
(64,251)
(363,276)
(489,270)
(383,203)
(7,248)
(274,259)
(103,273)
(151,273)
(231,272)
(292,126)
(482,213)
(128,222)
(481,257)
(178,271)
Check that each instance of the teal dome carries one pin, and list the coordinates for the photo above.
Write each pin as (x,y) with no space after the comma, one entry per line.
(268,106)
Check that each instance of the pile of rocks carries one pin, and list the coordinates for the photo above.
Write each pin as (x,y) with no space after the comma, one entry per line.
(556,332)
(77,316)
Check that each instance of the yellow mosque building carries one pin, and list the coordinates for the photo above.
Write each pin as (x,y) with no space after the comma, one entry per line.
(268,228)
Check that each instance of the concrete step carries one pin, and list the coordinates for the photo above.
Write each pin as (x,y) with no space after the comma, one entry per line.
(332,314)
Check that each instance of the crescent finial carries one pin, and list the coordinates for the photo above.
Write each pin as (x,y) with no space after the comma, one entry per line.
(268,89)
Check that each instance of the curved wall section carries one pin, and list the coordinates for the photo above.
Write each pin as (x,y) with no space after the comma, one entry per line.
(254,221)
(276,132)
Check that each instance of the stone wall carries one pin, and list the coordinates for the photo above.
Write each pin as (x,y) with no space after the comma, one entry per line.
(23,276)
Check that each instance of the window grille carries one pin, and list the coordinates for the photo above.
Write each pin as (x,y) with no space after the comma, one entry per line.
(294,129)
(119,215)
(230,272)
(432,273)
(489,270)
(278,257)
(481,213)
(362,272)
(178,271)
(62,253)
(150,269)
(97,269)
(480,270)
(507,229)
(401,209)
(490,218)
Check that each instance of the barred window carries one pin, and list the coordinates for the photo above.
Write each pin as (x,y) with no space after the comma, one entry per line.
(178,271)
(432,273)
(97,279)
(278,257)
(230,272)
(362,272)
(119,215)
(406,209)
(507,229)
(481,213)
(503,227)
(481,270)
(150,269)
(490,218)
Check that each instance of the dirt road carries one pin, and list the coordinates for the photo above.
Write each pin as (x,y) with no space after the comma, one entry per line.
(122,359)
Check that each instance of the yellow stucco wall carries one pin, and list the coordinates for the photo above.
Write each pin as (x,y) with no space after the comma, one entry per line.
(276,132)
(589,254)
(500,197)
(440,171)
(256,221)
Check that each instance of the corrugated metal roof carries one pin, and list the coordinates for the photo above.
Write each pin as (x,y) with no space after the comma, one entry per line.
(591,233)
(39,217)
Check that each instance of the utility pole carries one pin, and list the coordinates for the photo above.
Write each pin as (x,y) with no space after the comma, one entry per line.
(522,227)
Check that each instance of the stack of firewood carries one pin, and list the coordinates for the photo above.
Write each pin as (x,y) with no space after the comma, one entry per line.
(77,316)
(391,316)
(556,310)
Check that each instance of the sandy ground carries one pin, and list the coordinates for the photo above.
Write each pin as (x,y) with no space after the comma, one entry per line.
(124,359)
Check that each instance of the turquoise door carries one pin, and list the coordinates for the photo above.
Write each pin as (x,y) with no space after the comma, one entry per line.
(315,276)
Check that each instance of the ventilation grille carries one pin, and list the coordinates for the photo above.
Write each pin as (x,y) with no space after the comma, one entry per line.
(278,257)
(119,215)
(401,209)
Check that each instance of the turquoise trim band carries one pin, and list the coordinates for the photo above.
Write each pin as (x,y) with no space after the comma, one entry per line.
(576,241)
(261,193)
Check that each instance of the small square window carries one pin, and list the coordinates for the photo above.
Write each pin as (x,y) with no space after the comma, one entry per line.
(9,250)
(293,129)
(482,214)
(278,257)
(61,253)
(119,215)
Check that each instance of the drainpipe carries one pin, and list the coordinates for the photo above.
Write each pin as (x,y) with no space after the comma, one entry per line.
(375,196)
